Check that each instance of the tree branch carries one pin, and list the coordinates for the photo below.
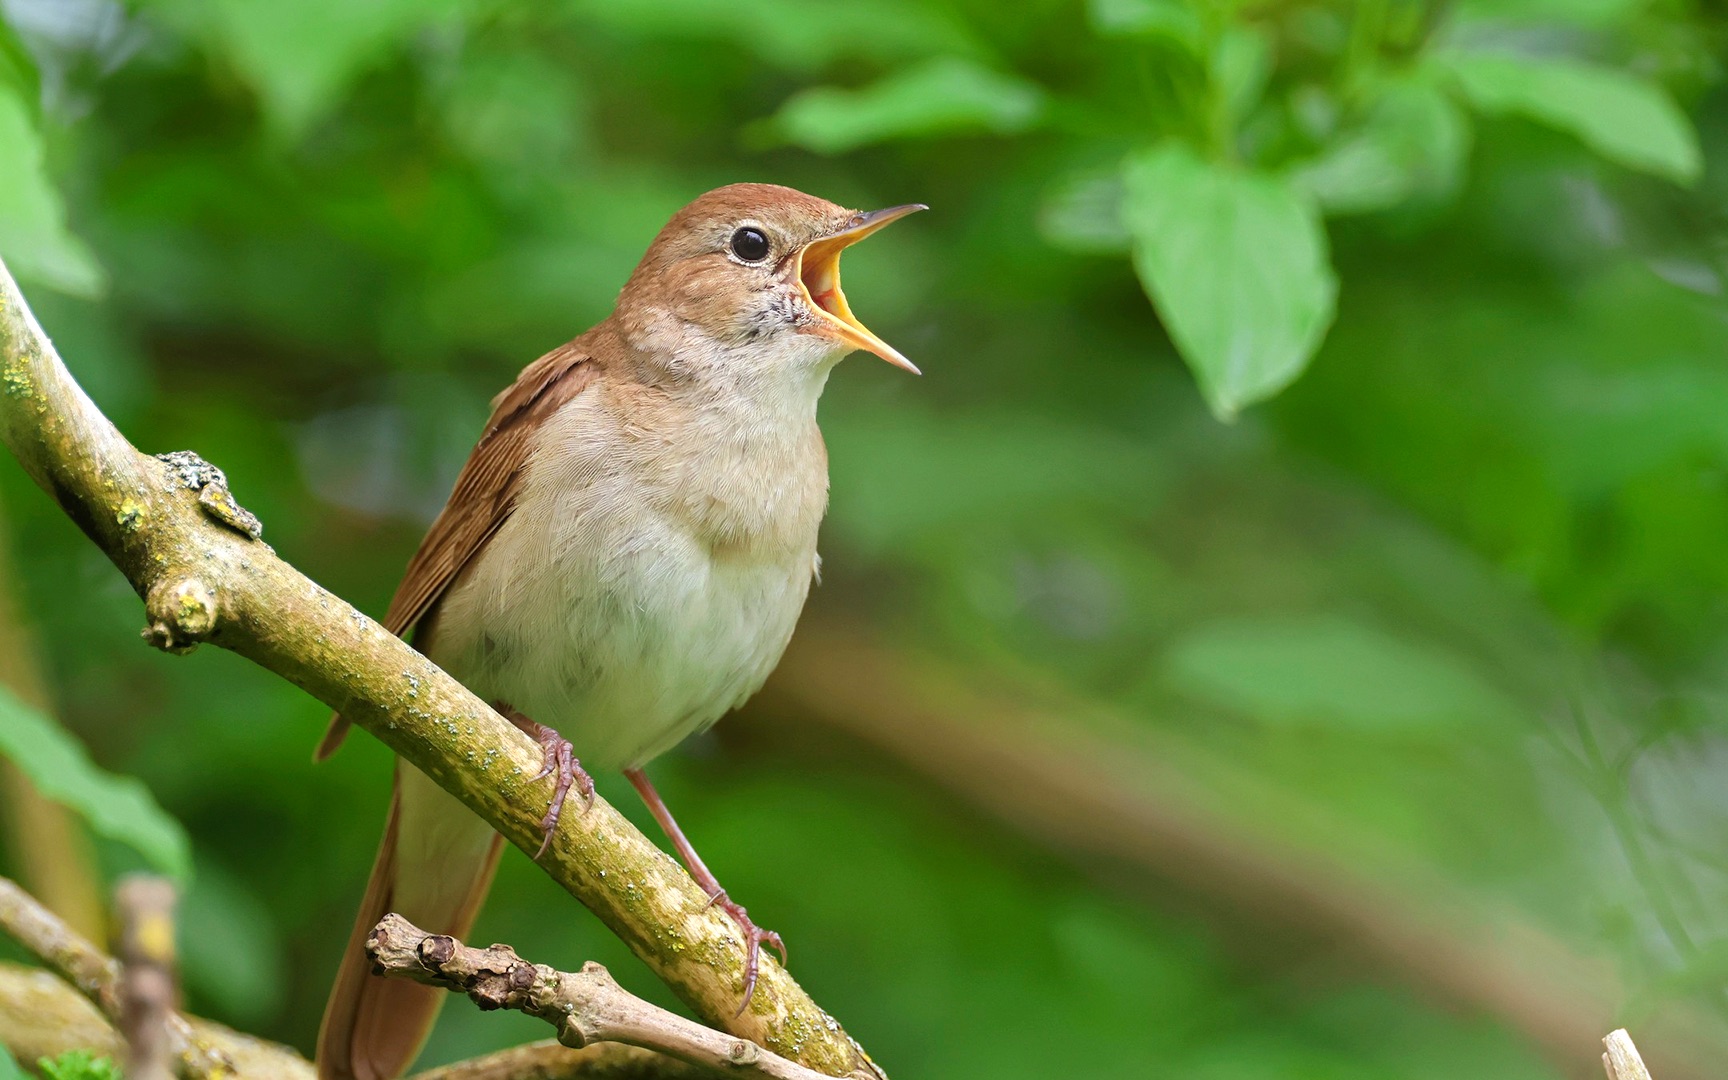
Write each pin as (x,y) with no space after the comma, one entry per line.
(174,530)
(41,1016)
(585,1007)
(555,1061)
(97,976)
(144,904)
(1621,1061)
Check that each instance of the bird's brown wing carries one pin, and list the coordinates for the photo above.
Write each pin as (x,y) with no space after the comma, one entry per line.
(485,492)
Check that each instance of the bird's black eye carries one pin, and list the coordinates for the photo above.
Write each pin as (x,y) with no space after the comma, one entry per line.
(750,244)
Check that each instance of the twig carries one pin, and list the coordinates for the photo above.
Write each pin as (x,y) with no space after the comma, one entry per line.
(145,905)
(41,1016)
(173,529)
(554,1061)
(96,976)
(59,946)
(585,1007)
(1621,1060)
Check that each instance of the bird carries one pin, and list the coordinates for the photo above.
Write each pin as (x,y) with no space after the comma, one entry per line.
(622,560)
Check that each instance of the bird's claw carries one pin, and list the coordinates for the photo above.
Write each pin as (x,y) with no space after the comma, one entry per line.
(754,937)
(560,761)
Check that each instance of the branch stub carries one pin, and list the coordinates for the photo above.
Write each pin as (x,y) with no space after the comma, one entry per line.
(183,612)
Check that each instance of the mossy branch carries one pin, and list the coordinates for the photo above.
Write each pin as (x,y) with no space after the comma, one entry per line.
(171,526)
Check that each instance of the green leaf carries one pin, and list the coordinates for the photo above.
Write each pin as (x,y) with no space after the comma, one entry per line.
(1235,262)
(1330,671)
(78,1065)
(1241,64)
(1622,117)
(1413,143)
(944,96)
(33,236)
(118,807)
(8,1067)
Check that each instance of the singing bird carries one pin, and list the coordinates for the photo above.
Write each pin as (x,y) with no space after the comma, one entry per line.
(623,557)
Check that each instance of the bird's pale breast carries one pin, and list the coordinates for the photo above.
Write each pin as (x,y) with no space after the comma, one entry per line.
(649,576)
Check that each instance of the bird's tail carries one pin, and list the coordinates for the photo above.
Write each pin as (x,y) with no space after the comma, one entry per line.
(433,868)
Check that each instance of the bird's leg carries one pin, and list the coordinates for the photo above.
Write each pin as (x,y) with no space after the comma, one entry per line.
(754,935)
(560,759)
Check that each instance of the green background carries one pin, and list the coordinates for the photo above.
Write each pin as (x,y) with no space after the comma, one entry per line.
(1322,450)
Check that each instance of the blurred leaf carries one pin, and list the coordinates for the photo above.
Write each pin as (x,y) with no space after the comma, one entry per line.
(1235,261)
(1621,116)
(17,69)
(1170,20)
(78,1065)
(300,56)
(118,807)
(799,35)
(1414,142)
(1329,671)
(1241,65)
(33,237)
(1084,214)
(944,96)
(8,1067)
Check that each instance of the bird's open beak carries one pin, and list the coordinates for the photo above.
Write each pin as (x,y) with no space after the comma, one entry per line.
(819,277)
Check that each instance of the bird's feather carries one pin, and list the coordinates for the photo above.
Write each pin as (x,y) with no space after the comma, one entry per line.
(484,495)
(433,868)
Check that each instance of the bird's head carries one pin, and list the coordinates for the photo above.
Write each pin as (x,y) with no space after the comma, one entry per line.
(756,268)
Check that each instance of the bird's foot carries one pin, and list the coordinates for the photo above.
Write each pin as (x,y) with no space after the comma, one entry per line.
(754,937)
(559,761)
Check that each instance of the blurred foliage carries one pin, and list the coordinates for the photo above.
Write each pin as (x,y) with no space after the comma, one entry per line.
(1461,586)
(117,807)
(78,1065)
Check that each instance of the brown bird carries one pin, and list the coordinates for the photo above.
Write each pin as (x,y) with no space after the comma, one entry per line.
(623,558)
